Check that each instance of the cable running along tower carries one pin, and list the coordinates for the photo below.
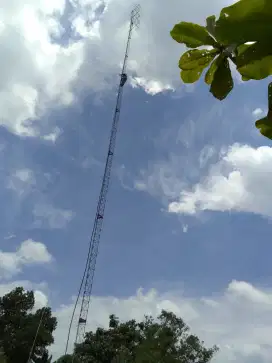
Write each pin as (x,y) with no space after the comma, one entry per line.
(88,277)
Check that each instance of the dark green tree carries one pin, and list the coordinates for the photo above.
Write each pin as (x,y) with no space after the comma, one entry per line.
(18,327)
(241,36)
(165,340)
(67,358)
(2,357)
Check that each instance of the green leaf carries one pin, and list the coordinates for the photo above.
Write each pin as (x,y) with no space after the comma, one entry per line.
(222,82)
(196,58)
(245,79)
(191,75)
(265,127)
(244,21)
(210,25)
(239,51)
(194,62)
(254,60)
(211,71)
(258,69)
(192,35)
(265,124)
(249,53)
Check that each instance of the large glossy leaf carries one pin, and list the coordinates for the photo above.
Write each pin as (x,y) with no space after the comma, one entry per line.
(254,61)
(211,71)
(245,79)
(249,53)
(222,82)
(239,50)
(244,21)
(258,69)
(192,35)
(193,64)
(191,75)
(265,124)
(197,58)
(210,24)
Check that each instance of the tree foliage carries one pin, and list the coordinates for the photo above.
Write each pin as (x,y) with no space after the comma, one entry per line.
(18,327)
(2,358)
(241,36)
(165,340)
(68,358)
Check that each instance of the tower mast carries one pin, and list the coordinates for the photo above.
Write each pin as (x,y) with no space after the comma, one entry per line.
(88,277)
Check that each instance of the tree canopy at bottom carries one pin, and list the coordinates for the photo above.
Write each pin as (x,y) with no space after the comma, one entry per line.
(164,340)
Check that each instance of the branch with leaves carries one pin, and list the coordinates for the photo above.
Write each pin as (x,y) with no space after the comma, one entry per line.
(241,35)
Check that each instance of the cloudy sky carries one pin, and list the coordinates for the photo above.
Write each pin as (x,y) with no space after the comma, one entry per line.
(187,224)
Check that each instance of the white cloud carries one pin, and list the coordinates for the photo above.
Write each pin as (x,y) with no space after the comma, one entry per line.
(152,87)
(29,253)
(38,73)
(22,181)
(240,181)
(182,151)
(51,217)
(258,112)
(237,320)
(41,299)
(34,187)
(163,178)
(53,136)
(34,70)
(33,252)
(153,55)
(24,175)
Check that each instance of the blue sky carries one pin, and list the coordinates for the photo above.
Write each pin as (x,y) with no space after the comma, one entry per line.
(188,210)
(137,228)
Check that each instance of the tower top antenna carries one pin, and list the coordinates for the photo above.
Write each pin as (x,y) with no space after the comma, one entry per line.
(135,16)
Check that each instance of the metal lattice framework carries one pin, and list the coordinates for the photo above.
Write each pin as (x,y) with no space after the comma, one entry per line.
(88,277)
